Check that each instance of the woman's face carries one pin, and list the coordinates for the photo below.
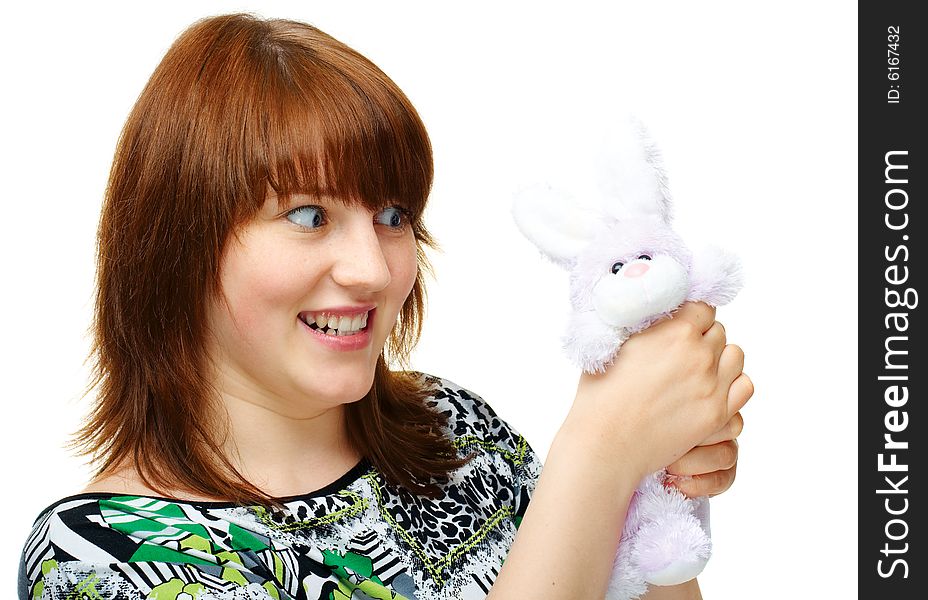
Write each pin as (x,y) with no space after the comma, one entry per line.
(313,288)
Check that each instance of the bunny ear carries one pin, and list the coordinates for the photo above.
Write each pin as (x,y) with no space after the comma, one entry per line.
(630,174)
(555,223)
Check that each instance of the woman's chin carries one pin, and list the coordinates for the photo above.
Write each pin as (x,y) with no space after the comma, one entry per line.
(339,386)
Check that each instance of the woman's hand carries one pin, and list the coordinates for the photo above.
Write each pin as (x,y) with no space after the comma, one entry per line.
(670,388)
(709,468)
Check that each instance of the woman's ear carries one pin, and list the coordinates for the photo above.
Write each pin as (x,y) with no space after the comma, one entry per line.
(555,222)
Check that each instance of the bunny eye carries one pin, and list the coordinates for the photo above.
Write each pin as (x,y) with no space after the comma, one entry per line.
(616,267)
(644,257)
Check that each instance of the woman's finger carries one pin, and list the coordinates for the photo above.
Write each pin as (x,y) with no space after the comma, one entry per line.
(706,459)
(699,314)
(716,336)
(741,390)
(731,363)
(729,431)
(709,484)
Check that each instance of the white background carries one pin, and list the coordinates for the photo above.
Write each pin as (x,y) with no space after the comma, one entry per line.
(754,105)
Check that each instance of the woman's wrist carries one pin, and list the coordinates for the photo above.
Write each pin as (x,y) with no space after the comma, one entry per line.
(604,437)
(593,440)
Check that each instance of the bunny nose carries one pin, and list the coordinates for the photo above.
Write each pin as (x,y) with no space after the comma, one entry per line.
(636,270)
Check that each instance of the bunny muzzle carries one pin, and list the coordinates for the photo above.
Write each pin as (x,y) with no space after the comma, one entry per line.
(640,290)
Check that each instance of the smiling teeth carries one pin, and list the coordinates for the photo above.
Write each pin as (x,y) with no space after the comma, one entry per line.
(335,324)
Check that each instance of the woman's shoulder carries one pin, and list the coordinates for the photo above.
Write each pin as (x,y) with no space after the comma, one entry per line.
(91,526)
(448,395)
(125,546)
(457,402)
(471,420)
(66,539)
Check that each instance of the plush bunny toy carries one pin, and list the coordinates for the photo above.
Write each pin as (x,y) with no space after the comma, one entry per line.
(628,268)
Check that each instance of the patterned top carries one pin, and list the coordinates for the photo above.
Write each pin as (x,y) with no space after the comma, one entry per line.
(359,538)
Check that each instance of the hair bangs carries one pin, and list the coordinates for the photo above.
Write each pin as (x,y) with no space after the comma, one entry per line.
(343,130)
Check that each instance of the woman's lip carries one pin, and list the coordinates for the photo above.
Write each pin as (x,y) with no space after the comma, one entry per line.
(343,343)
(340,311)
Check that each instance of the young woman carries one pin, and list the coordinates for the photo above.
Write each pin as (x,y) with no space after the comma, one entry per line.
(260,266)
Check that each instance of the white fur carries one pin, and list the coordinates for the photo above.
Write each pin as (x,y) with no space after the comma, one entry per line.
(557,225)
(666,536)
(623,301)
(630,176)
(717,276)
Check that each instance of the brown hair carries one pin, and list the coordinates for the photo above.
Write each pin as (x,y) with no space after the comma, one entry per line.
(237,106)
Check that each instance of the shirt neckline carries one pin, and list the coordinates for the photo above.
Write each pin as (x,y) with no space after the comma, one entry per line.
(353,474)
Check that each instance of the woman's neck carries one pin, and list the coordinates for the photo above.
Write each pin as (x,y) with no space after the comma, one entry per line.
(285,454)
(282,455)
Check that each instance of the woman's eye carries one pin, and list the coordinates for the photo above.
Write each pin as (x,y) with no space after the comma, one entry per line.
(393,216)
(308,217)
(616,267)
(644,257)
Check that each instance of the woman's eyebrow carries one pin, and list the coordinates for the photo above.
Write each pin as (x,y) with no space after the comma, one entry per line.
(294,198)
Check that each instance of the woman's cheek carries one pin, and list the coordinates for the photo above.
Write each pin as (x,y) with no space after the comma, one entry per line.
(408,270)
(260,290)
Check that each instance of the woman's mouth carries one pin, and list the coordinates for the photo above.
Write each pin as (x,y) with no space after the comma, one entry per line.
(336,324)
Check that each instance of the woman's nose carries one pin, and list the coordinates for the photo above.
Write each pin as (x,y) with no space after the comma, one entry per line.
(361,262)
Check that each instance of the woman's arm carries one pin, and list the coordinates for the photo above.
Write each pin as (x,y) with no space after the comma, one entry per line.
(670,387)
(571,528)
